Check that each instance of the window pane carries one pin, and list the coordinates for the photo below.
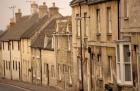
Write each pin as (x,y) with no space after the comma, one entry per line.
(119,71)
(127,72)
(118,53)
(126,53)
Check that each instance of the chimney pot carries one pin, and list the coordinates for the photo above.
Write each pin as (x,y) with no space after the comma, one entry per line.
(54,4)
(44,3)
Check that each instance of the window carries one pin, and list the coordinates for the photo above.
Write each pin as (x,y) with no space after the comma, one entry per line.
(98,21)
(9,65)
(85,24)
(99,68)
(59,72)
(8,45)
(46,70)
(109,22)
(78,25)
(13,65)
(69,43)
(12,45)
(16,64)
(52,71)
(53,42)
(126,13)
(3,45)
(124,69)
(18,45)
(110,67)
(58,43)
(6,65)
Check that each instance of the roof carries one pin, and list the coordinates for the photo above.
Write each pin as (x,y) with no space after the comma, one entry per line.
(1,32)
(73,2)
(32,30)
(44,39)
(15,32)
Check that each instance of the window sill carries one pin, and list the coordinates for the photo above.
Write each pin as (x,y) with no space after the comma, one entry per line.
(78,37)
(125,85)
(126,18)
(98,34)
(109,34)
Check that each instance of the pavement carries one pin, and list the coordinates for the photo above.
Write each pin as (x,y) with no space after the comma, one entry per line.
(29,86)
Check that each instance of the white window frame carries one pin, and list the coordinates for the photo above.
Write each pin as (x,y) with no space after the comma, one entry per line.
(121,80)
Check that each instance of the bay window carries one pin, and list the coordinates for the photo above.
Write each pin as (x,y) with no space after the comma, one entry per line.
(124,65)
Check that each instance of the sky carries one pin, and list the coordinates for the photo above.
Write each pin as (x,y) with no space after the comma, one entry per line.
(24,5)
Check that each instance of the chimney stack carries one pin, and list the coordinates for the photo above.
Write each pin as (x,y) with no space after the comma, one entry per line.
(12,22)
(18,15)
(34,7)
(53,10)
(43,10)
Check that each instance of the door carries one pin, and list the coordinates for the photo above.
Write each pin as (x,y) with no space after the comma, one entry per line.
(47,73)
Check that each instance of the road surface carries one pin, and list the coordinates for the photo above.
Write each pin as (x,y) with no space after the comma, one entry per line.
(6,87)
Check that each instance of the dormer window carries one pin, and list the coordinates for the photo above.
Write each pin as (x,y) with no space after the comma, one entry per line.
(52,42)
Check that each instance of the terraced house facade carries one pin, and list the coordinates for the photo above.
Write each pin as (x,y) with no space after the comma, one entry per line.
(105,31)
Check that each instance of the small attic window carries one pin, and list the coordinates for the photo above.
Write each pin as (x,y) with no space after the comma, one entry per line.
(52,42)
(45,41)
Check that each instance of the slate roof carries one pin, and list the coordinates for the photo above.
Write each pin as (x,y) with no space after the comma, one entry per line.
(15,32)
(1,32)
(88,1)
(46,33)
(32,30)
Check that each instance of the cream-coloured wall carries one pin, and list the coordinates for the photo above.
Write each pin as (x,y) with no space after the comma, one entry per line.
(36,64)
(16,56)
(1,63)
(6,57)
(103,17)
(49,57)
(105,41)
(26,60)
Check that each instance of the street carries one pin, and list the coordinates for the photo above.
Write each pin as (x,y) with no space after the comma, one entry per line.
(6,87)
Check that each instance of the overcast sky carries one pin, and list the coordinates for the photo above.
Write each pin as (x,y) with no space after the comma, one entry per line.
(6,13)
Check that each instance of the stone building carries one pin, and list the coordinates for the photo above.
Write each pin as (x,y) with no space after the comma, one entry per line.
(63,52)
(113,44)
(1,62)
(97,22)
(11,44)
(128,73)
(44,60)
(43,55)
(28,37)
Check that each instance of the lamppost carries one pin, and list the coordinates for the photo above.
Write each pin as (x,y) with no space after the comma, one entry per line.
(81,46)
(79,18)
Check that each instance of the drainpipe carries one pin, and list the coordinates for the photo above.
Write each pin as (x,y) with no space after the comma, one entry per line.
(40,66)
(118,2)
(138,70)
(9,45)
(82,82)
